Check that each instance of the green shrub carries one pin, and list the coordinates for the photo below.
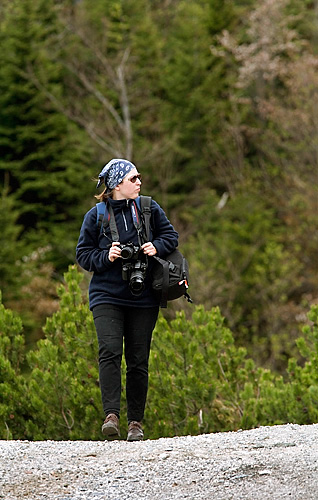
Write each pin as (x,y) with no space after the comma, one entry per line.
(196,376)
(13,407)
(64,387)
(293,398)
(200,382)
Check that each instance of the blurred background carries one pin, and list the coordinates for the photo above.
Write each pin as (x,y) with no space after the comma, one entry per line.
(215,101)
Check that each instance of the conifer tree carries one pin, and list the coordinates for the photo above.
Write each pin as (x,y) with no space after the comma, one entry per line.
(191,89)
(275,135)
(11,249)
(98,71)
(41,152)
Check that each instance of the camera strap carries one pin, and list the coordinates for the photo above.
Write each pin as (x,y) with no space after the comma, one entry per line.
(112,223)
(136,221)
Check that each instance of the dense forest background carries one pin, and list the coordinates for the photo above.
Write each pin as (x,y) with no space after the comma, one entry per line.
(216,103)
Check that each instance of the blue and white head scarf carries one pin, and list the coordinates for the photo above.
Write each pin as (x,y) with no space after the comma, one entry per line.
(114,172)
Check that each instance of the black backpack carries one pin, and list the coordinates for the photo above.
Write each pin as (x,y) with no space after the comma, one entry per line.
(170,276)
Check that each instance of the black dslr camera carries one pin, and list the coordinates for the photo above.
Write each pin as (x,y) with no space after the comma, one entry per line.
(134,271)
(129,251)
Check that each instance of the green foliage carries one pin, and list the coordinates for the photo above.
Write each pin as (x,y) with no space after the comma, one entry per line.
(189,74)
(64,389)
(11,249)
(200,381)
(239,262)
(305,380)
(293,399)
(196,374)
(40,150)
(13,400)
(210,99)
(275,164)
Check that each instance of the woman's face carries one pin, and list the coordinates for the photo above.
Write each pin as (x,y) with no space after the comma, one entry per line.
(129,188)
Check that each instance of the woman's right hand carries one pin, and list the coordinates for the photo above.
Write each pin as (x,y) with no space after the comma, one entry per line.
(114,251)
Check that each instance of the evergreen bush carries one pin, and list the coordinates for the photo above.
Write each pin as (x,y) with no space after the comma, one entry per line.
(200,381)
(13,386)
(64,388)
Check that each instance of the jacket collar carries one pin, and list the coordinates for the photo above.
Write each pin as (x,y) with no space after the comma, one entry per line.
(120,204)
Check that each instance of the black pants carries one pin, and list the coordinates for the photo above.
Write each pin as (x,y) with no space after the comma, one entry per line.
(134,326)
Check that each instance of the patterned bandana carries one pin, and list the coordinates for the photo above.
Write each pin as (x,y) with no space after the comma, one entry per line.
(114,172)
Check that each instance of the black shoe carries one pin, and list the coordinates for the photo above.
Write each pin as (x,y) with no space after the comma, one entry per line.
(110,427)
(135,432)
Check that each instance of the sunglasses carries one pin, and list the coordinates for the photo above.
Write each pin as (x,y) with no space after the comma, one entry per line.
(134,178)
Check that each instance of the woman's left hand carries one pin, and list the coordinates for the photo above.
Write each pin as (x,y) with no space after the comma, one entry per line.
(149,249)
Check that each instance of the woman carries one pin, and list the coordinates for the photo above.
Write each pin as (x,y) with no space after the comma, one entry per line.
(123,312)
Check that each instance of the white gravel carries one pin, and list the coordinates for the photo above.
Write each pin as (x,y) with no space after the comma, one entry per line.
(277,462)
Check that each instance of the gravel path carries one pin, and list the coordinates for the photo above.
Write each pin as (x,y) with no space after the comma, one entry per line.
(279,462)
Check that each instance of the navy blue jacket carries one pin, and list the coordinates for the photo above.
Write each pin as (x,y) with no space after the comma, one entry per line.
(107,285)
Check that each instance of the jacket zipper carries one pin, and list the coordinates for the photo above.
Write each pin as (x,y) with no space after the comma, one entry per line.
(125,221)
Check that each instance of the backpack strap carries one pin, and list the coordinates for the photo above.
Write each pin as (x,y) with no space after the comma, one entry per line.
(105,216)
(102,213)
(145,204)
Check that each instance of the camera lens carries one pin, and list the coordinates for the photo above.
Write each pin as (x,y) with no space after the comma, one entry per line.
(137,285)
(127,253)
(137,282)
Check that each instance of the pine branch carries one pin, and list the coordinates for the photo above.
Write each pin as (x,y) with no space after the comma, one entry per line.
(60,106)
